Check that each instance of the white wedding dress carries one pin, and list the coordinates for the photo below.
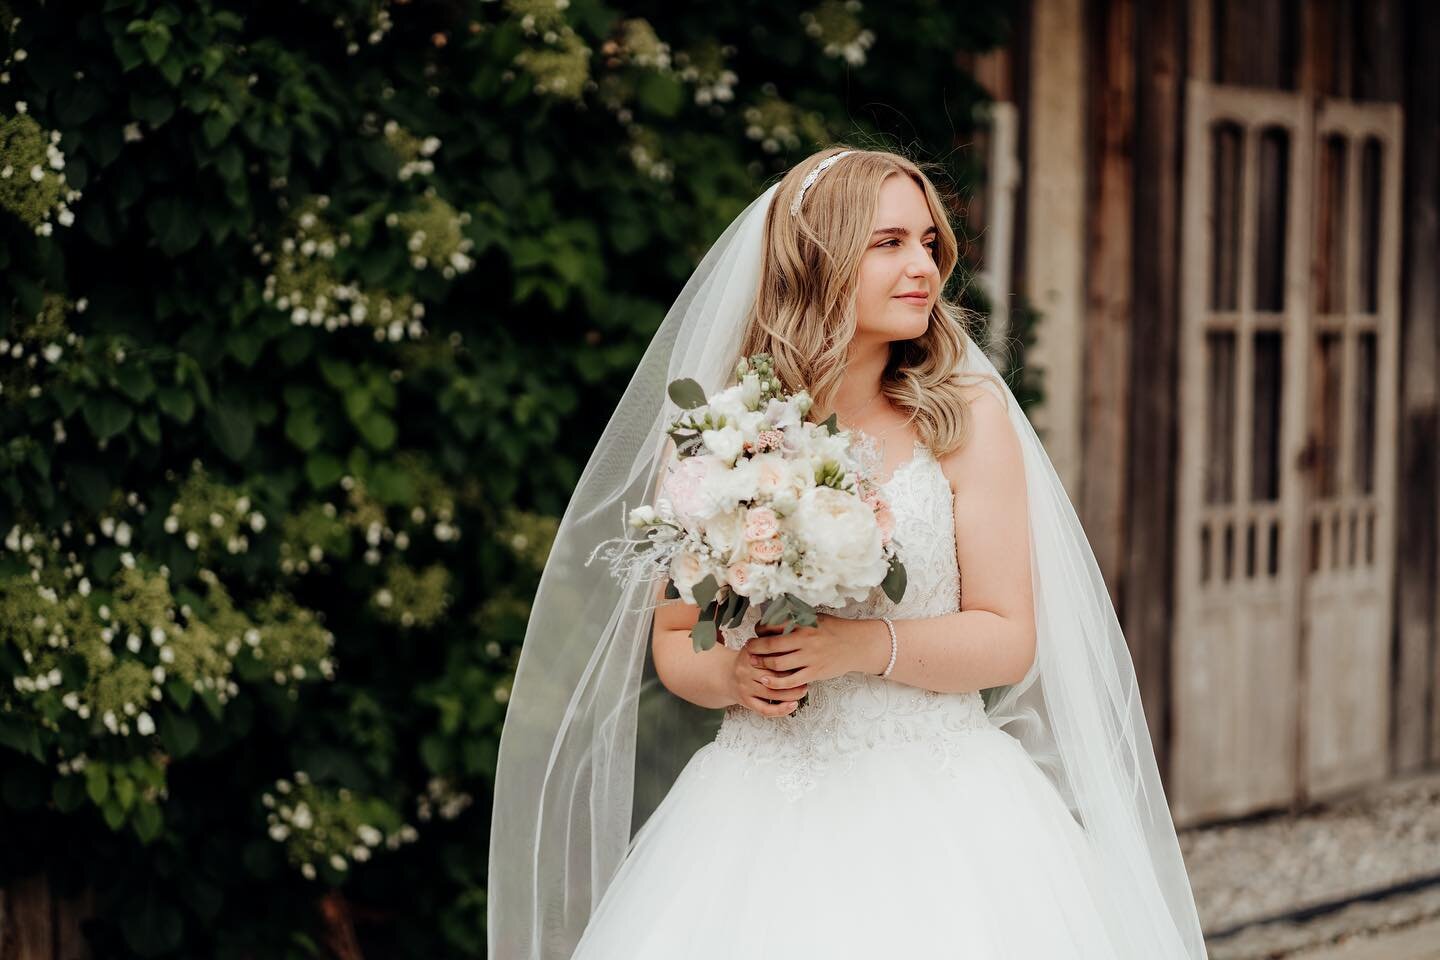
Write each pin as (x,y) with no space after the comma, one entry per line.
(880,820)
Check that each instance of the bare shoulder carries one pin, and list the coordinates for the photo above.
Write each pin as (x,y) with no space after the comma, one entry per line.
(991,448)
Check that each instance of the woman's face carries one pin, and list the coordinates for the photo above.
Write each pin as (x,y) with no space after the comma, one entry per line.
(899,260)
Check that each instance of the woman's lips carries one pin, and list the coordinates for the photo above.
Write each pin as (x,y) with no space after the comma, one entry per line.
(914,297)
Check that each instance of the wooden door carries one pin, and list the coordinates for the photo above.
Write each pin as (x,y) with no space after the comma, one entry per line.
(1236,683)
(1348,569)
(1282,616)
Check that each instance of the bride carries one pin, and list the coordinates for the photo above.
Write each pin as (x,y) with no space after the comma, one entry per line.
(970,773)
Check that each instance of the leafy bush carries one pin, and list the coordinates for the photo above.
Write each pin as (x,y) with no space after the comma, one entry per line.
(310,316)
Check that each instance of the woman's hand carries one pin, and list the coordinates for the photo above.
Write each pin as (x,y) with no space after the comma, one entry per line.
(829,649)
(754,687)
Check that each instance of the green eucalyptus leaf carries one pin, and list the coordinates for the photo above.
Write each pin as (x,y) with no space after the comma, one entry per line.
(705,591)
(895,581)
(703,635)
(687,393)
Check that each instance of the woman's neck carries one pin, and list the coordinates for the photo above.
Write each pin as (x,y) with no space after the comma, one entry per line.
(864,369)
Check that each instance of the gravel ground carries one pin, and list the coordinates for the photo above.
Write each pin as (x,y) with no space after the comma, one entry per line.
(1396,928)
(1244,872)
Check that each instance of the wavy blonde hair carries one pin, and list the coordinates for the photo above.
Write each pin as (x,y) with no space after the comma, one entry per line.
(804,312)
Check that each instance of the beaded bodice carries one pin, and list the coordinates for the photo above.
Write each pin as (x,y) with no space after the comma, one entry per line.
(860,711)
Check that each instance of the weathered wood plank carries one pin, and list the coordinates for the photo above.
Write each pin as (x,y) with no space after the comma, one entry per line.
(1152,438)
(1108,312)
(1416,719)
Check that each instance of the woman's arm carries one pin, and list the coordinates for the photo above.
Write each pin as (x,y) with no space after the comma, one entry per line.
(702,678)
(990,641)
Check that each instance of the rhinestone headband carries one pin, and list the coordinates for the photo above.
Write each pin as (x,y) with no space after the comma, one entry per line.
(811,177)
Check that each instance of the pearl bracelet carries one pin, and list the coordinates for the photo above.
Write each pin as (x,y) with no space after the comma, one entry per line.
(894,646)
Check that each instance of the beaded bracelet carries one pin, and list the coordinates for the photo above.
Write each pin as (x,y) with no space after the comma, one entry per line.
(894,646)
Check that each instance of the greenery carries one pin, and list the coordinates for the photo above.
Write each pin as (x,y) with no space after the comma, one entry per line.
(310,315)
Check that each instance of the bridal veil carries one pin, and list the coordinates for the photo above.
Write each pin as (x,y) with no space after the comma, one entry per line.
(592,740)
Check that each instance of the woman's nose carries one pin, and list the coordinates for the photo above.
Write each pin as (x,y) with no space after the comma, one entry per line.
(922,264)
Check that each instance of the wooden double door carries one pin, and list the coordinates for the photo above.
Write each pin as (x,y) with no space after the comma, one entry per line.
(1286,512)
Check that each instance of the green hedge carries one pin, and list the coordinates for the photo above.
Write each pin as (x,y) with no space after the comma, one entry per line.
(310,315)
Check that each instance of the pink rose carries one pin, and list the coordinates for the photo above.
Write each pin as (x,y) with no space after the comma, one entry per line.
(761,523)
(738,574)
(767,551)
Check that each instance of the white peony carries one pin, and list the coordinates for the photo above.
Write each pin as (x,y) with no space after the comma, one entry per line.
(843,547)
(725,532)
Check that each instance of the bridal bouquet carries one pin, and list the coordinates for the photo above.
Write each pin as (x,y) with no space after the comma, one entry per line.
(763,516)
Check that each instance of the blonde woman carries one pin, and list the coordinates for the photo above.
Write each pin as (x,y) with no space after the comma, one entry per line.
(970,773)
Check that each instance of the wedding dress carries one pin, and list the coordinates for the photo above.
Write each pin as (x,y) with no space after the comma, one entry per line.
(879,820)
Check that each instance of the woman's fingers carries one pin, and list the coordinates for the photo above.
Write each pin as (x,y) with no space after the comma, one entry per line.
(771,709)
(776,662)
(774,692)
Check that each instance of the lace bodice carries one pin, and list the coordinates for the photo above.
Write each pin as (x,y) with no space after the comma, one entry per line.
(858,711)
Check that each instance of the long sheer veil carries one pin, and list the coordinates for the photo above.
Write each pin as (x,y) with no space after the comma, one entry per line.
(592,741)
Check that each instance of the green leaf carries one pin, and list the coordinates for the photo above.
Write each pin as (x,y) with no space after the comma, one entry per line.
(232,428)
(149,426)
(661,93)
(68,794)
(177,403)
(66,397)
(147,822)
(155,40)
(895,581)
(125,792)
(106,416)
(97,782)
(154,109)
(113,815)
(687,393)
(705,591)
(338,373)
(378,430)
(739,614)
(323,470)
(180,735)
(171,68)
(179,691)
(173,221)
(703,635)
(672,592)
(217,126)
(831,424)
(135,382)
(303,428)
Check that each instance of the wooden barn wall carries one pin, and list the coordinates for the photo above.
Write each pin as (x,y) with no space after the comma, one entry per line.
(1140,54)
(1152,450)
(1417,664)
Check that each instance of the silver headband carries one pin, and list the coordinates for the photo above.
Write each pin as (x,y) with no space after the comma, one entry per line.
(811,177)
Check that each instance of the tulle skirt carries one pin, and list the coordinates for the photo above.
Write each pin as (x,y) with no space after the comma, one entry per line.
(897,857)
